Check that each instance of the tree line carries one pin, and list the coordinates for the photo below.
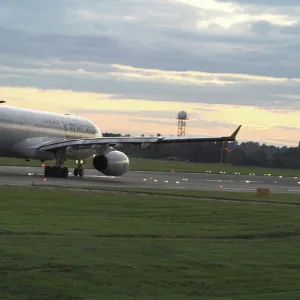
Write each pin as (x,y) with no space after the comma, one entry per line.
(243,154)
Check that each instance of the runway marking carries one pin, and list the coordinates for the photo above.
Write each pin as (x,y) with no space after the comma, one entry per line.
(222,180)
(238,189)
(219,180)
(248,181)
(99,176)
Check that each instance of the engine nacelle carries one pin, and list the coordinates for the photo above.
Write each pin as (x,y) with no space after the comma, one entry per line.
(114,163)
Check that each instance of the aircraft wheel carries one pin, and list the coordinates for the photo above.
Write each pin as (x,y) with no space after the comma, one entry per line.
(81,172)
(64,172)
(47,171)
(56,172)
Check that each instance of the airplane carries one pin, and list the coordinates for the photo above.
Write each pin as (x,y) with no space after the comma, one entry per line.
(40,135)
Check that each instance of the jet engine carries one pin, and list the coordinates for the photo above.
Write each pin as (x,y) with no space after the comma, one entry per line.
(114,163)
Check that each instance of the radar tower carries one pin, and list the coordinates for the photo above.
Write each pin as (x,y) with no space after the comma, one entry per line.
(182,118)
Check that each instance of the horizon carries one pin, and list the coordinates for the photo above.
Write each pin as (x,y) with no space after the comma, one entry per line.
(138,63)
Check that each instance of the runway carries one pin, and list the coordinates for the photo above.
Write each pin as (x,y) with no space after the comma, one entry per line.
(25,176)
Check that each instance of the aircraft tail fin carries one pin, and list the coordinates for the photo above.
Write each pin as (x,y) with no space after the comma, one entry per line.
(235,133)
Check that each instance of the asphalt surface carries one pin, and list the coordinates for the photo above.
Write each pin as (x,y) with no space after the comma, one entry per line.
(25,176)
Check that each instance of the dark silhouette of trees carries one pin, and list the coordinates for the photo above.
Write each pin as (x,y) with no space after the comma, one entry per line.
(237,157)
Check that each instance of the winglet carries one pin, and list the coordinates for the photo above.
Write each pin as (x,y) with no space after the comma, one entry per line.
(233,136)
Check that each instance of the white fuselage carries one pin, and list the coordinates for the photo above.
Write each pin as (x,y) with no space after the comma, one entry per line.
(22,129)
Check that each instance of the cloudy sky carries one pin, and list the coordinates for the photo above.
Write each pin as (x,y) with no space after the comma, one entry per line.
(131,65)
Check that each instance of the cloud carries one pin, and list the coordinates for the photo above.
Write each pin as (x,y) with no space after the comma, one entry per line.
(189,52)
(125,82)
(276,3)
(154,114)
(153,38)
(195,118)
(288,127)
(195,124)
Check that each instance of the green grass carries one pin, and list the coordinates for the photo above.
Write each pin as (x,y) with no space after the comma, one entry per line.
(139,164)
(65,244)
(284,198)
(218,195)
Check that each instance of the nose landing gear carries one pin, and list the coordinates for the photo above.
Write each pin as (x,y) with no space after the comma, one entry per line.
(79,171)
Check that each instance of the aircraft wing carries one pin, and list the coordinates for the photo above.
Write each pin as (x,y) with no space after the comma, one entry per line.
(113,141)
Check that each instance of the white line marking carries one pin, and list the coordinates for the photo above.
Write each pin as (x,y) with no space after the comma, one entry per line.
(219,180)
(238,189)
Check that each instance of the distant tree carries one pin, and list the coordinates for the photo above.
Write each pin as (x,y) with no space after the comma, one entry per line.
(109,134)
(257,158)
(237,157)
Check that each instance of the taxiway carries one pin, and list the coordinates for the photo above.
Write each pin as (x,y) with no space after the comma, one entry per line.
(25,176)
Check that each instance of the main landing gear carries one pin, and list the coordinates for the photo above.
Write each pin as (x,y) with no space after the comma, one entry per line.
(59,171)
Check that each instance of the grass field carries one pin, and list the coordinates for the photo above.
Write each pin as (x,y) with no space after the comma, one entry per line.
(78,245)
(139,164)
(217,195)
(277,198)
